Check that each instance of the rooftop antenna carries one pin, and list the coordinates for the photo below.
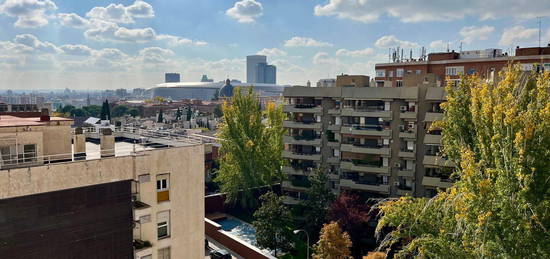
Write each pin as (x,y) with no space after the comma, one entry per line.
(447,47)
(540,25)
(460,46)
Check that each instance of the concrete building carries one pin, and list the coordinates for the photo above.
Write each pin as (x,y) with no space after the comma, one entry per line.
(207,90)
(330,82)
(485,63)
(371,140)
(171,77)
(114,199)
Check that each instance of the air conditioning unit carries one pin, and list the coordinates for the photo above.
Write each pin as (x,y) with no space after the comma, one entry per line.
(397,164)
(401,127)
(396,183)
(403,108)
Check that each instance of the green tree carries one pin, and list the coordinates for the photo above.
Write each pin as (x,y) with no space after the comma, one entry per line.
(178,114)
(249,147)
(66,109)
(160,117)
(119,111)
(333,243)
(105,111)
(134,112)
(218,111)
(316,206)
(79,112)
(498,136)
(93,110)
(272,223)
(189,113)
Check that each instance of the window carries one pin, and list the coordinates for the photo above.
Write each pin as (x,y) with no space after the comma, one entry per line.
(380,73)
(163,187)
(164,253)
(418,71)
(7,153)
(399,83)
(29,153)
(454,71)
(163,224)
(399,72)
(390,73)
(410,145)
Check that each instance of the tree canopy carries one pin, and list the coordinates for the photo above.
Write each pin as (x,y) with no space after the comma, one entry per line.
(333,243)
(272,224)
(316,206)
(251,153)
(105,111)
(498,135)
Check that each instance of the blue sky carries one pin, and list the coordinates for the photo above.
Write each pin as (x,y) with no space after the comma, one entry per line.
(112,44)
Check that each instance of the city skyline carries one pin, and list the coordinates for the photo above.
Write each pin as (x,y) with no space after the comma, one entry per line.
(112,44)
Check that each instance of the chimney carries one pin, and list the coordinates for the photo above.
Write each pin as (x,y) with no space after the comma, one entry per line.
(79,142)
(107,142)
(44,115)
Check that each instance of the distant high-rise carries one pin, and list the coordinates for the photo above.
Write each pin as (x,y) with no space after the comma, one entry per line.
(171,77)
(205,78)
(258,71)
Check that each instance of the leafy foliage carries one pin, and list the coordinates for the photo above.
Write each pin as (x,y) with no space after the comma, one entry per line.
(316,206)
(105,111)
(333,243)
(160,117)
(272,224)
(119,111)
(251,153)
(498,135)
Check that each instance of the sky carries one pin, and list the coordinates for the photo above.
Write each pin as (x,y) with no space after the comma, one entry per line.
(54,44)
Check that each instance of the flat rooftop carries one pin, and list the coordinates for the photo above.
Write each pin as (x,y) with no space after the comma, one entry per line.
(13,121)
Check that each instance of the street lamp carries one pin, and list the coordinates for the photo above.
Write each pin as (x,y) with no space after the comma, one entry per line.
(307,236)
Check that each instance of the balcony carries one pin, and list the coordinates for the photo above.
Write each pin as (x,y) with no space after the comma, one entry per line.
(432,139)
(302,124)
(333,160)
(408,115)
(433,116)
(365,149)
(366,112)
(373,130)
(401,192)
(333,144)
(407,153)
(334,127)
(142,248)
(411,134)
(301,156)
(303,108)
(405,173)
(436,182)
(437,161)
(384,170)
(294,170)
(290,185)
(302,140)
(380,188)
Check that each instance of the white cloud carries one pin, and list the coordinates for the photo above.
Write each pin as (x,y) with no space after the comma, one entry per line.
(109,31)
(245,11)
(155,55)
(119,13)
(390,41)
(305,42)
(173,41)
(274,52)
(31,41)
(355,53)
(428,10)
(439,45)
(518,34)
(76,50)
(322,58)
(72,20)
(472,33)
(29,13)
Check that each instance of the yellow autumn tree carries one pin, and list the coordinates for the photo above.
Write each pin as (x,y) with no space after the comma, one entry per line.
(498,135)
(333,243)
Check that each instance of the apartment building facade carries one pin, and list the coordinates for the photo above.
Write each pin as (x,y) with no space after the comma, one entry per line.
(371,140)
(64,197)
(485,63)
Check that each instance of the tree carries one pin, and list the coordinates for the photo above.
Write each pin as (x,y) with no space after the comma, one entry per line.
(160,118)
(93,110)
(133,112)
(352,213)
(315,207)
(189,113)
(79,112)
(497,134)
(272,224)
(178,114)
(248,149)
(105,111)
(333,243)
(216,95)
(218,111)
(119,111)
(66,109)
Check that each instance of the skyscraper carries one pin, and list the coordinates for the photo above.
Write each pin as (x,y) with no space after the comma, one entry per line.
(171,77)
(252,62)
(258,71)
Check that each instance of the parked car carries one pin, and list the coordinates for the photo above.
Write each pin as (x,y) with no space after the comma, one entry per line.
(220,254)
